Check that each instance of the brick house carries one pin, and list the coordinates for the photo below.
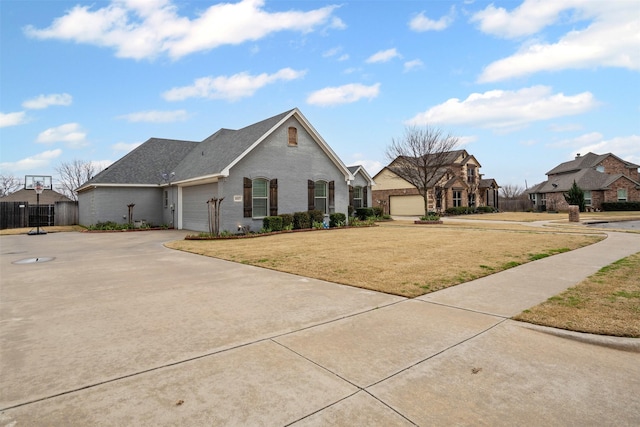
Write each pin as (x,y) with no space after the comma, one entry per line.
(458,183)
(602,177)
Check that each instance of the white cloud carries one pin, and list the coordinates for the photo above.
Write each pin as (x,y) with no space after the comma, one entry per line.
(12,119)
(422,23)
(383,56)
(625,147)
(125,147)
(44,101)
(610,40)
(568,127)
(146,29)
(70,133)
(412,65)
(241,85)
(345,94)
(38,161)
(465,140)
(156,116)
(506,110)
(579,141)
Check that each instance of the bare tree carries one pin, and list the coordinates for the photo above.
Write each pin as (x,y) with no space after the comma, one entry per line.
(73,174)
(511,191)
(420,157)
(9,184)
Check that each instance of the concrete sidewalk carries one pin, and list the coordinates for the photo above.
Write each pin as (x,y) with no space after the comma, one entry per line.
(118,330)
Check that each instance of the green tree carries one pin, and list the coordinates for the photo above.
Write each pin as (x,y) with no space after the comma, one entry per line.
(575,196)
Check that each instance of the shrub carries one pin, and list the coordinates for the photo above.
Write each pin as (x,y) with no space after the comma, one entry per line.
(350,210)
(364,213)
(316,216)
(378,211)
(301,220)
(621,206)
(486,209)
(430,217)
(273,223)
(287,221)
(460,210)
(337,219)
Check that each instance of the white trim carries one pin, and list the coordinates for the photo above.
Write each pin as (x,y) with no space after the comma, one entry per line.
(206,179)
(94,186)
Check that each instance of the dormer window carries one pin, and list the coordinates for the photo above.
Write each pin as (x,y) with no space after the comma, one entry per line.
(293,136)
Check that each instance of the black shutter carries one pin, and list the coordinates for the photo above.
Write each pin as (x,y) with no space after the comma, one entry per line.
(332,195)
(364,197)
(273,197)
(311,187)
(351,195)
(248,196)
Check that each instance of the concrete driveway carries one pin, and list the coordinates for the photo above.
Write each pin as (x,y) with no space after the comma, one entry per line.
(118,330)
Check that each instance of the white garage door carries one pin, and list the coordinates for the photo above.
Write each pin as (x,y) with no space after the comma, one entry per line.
(195,214)
(406,205)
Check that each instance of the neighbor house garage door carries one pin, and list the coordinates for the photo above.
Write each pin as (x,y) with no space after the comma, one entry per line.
(406,205)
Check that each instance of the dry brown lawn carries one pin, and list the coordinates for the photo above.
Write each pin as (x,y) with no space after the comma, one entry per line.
(395,258)
(557,217)
(606,303)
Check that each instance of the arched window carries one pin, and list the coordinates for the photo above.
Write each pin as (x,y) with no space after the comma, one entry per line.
(320,196)
(260,197)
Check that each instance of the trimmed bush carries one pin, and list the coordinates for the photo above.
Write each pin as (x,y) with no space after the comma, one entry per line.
(301,220)
(486,209)
(273,223)
(378,211)
(287,220)
(621,206)
(460,210)
(337,220)
(364,213)
(316,216)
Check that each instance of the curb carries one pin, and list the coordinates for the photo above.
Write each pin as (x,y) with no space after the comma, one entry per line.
(618,343)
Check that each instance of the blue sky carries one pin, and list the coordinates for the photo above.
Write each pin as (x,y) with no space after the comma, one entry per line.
(525,85)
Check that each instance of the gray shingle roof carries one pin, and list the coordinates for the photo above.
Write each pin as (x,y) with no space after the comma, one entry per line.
(218,151)
(188,159)
(146,163)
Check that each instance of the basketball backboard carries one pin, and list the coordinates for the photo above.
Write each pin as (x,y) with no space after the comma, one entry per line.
(31,180)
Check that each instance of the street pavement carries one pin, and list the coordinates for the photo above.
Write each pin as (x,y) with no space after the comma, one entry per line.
(115,329)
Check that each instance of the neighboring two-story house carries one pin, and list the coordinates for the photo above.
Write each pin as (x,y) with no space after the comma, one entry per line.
(276,166)
(458,183)
(602,177)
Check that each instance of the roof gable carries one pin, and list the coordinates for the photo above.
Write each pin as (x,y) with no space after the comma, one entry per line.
(359,169)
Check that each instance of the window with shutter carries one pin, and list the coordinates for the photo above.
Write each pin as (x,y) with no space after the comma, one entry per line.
(357,197)
(320,196)
(260,198)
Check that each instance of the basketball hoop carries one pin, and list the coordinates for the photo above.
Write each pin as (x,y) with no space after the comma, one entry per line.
(39,187)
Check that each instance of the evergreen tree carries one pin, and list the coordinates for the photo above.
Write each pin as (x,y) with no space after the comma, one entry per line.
(575,196)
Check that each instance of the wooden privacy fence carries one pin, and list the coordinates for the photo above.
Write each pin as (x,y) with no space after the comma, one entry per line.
(23,214)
